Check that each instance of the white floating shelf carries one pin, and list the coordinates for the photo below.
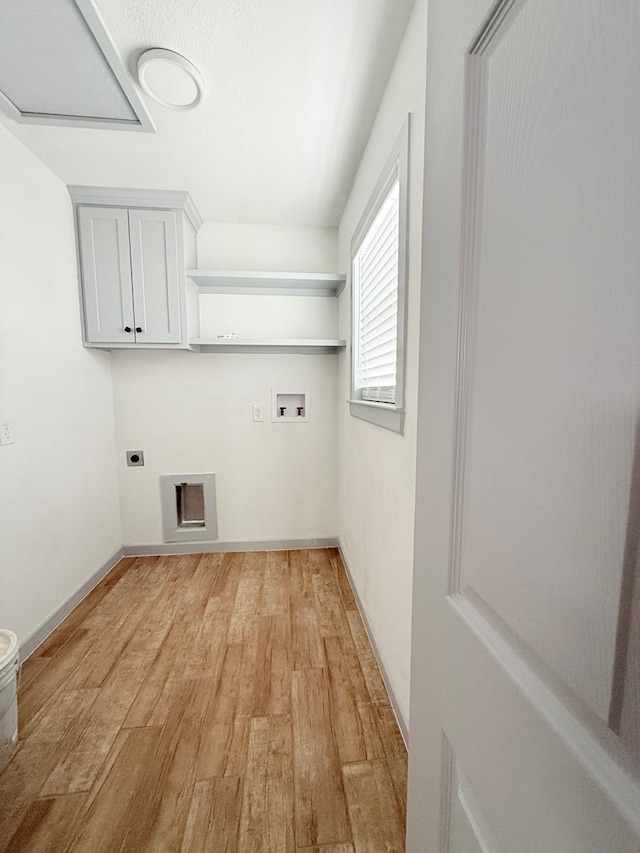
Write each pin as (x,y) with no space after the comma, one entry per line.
(310,346)
(268,283)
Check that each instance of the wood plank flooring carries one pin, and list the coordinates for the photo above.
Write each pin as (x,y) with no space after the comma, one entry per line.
(215,703)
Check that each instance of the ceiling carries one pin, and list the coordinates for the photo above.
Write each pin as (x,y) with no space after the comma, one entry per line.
(291,92)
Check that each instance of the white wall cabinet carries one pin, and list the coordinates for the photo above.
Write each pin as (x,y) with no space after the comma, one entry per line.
(132,259)
(130,276)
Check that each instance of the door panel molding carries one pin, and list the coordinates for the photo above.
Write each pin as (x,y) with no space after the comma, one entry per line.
(496,23)
(473,146)
(589,739)
(446,794)
(463,821)
(492,29)
(563,563)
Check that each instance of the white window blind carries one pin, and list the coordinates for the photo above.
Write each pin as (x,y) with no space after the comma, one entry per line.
(379,284)
(375,277)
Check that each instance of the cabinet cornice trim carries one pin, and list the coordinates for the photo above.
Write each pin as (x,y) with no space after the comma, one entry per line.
(127,197)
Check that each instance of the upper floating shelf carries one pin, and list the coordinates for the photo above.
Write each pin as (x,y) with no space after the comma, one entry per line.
(309,346)
(268,283)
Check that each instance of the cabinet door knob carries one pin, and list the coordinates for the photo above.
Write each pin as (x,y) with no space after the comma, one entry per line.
(127,328)
(138,328)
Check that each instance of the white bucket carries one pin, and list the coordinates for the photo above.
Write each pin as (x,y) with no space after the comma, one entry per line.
(9,666)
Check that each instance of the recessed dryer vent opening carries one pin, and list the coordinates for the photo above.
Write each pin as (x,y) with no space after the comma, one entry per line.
(188,507)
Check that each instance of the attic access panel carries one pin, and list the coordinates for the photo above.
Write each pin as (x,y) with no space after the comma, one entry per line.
(58,65)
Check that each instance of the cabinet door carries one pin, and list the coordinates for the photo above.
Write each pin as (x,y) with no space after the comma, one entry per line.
(156,282)
(106,274)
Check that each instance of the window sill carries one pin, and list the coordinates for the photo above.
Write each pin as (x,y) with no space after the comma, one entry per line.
(380,414)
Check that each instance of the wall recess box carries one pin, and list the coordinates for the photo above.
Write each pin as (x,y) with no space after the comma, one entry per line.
(290,407)
(188,507)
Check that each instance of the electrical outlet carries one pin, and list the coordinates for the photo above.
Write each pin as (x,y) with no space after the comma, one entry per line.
(258,414)
(6,433)
(135,458)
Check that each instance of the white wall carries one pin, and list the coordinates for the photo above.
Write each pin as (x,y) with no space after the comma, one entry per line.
(59,519)
(191,412)
(280,248)
(377,467)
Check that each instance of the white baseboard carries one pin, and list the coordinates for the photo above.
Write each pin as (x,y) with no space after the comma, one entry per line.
(402,723)
(37,637)
(225,547)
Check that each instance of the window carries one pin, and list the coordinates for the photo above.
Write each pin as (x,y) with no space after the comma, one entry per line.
(378,296)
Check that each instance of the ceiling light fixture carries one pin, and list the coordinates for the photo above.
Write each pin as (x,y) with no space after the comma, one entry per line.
(170,79)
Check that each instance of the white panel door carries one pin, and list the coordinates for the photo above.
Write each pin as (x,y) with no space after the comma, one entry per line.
(156,284)
(106,275)
(525,718)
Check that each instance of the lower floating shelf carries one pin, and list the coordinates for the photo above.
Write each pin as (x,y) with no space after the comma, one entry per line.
(302,346)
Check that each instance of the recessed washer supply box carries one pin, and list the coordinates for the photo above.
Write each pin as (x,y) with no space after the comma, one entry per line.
(290,407)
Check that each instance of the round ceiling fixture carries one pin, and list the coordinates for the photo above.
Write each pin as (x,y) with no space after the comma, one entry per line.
(170,79)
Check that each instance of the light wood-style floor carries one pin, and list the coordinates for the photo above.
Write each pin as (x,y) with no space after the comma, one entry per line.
(216,702)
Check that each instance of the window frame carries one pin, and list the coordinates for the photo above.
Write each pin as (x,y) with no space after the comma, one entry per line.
(386,415)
